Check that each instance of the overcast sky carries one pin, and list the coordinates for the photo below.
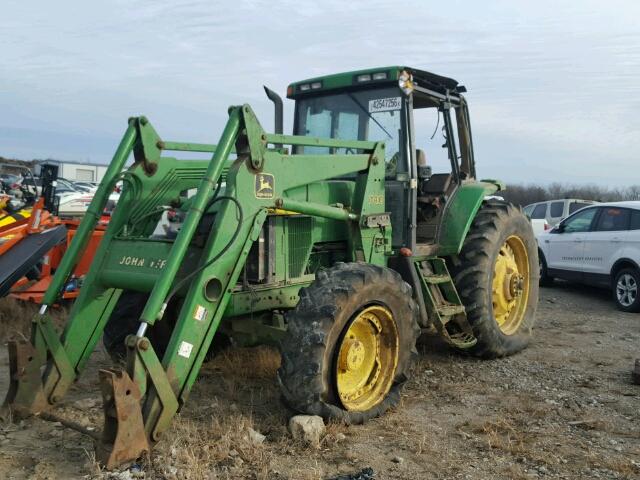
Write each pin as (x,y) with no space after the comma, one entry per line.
(553,86)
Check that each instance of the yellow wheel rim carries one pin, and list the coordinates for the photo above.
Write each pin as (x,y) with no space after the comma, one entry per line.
(511,285)
(367,359)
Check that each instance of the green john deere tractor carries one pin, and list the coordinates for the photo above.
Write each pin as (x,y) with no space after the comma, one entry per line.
(338,243)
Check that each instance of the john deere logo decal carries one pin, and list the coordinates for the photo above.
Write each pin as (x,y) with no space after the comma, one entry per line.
(264,185)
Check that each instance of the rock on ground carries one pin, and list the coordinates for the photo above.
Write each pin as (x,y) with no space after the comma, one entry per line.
(308,428)
(255,437)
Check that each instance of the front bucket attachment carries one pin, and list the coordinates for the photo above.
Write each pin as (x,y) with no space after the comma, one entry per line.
(25,395)
(123,438)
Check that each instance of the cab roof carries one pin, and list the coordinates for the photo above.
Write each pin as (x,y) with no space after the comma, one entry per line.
(387,75)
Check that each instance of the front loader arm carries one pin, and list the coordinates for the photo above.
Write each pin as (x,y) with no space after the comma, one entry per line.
(210,290)
(140,403)
(28,393)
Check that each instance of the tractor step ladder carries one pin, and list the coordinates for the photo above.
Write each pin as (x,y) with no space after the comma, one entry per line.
(443,303)
(435,279)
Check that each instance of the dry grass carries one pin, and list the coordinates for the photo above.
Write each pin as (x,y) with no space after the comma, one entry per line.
(515,472)
(16,315)
(525,408)
(211,441)
(511,437)
(248,363)
(43,471)
(502,434)
(424,445)
(620,465)
(237,392)
(334,428)
(218,448)
(242,375)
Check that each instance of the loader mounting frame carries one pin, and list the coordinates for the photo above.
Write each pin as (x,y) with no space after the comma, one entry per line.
(140,402)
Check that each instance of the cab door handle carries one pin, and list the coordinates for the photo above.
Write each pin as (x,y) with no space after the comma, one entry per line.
(616,240)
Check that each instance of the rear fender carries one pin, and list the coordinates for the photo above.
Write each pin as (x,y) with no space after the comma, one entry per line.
(459,213)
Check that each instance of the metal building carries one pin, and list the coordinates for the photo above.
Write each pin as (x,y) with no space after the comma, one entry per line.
(79,171)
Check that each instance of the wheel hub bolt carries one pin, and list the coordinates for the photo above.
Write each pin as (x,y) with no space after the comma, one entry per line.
(352,355)
(516,285)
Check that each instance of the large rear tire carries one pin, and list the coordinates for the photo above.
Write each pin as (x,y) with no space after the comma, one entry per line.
(496,275)
(350,343)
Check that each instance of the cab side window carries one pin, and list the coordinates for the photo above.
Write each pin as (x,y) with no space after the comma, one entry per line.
(431,138)
(580,222)
(613,219)
(635,220)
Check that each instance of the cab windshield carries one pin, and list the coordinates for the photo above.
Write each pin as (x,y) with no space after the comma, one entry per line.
(374,115)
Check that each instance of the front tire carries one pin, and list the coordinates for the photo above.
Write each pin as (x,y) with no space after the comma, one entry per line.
(496,275)
(350,343)
(625,290)
(125,320)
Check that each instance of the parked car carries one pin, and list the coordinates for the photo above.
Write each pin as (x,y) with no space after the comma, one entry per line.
(73,204)
(20,186)
(88,186)
(597,245)
(555,210)
(7,180)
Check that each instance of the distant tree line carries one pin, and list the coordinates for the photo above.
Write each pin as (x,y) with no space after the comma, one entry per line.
(531,193)
(10,165)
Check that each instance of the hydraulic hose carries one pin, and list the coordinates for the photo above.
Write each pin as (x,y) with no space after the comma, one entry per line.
(240,213)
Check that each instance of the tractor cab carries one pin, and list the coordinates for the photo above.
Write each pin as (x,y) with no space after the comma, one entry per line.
(424,122)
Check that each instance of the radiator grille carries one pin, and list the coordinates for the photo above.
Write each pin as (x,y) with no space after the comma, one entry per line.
(299,230)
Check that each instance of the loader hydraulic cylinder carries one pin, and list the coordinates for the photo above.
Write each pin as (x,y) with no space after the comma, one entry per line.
(308,208)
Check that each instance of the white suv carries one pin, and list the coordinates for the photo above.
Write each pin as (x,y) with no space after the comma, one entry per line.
(598,245)
(555,210)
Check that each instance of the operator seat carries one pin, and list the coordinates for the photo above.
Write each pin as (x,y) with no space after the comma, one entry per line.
(438,184)
(432,196)
(421,158)
(424,170)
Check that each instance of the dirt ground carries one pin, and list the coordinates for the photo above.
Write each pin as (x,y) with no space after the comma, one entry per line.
(564,408)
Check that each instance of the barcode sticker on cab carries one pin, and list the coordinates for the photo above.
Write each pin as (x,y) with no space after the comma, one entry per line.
(385,104)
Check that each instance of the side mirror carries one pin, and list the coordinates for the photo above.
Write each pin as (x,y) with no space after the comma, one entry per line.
(559,228)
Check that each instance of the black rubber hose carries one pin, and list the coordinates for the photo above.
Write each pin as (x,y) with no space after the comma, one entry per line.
(222,252)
